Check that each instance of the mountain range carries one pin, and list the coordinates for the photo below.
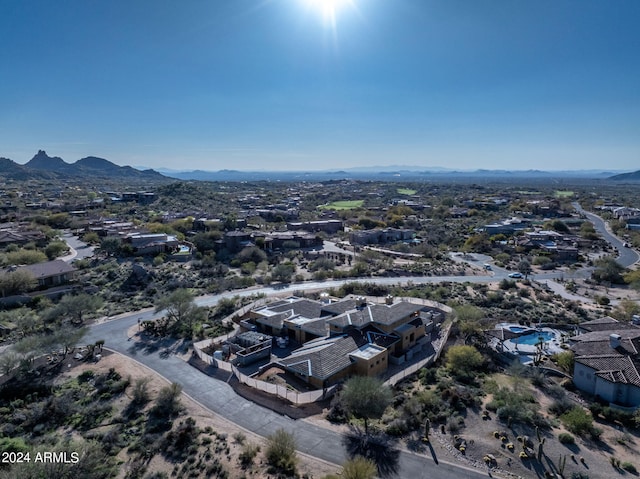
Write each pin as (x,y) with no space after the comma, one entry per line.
(43,166)
(400,173)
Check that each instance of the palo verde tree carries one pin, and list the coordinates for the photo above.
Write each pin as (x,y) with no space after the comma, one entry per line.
(525,268)
(365,398)
(75,308)
(181,311)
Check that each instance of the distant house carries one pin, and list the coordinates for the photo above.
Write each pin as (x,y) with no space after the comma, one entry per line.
(381,236)
(607,361)
(12,233)
(326,226)
(152,243)
(49,273)
(506,227)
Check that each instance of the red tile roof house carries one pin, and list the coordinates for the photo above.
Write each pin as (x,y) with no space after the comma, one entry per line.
(607,361)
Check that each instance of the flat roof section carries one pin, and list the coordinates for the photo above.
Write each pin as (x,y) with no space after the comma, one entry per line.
(367,351)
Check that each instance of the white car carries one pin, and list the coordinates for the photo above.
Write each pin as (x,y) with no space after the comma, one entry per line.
(515,275)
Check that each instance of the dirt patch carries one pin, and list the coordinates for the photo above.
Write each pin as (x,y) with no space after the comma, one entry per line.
(204,419)
(479,436)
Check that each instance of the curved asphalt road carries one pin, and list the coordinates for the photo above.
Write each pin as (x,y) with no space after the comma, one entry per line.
(626,256)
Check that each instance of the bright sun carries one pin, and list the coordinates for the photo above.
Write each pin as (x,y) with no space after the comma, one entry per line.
(328,8)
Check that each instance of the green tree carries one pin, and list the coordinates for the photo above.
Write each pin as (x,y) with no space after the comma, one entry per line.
(76,307)
(25,256)
(181,310)
(16,282)
(280,452)
(607,270)
(110,245)
(579,422)
(91,238)
(525,268)
(557,225)
(283,272)
(632,278)
(469,320)
(55,249)
(251,253)
(565,361)
(366,398)
(478,243)
(463,360)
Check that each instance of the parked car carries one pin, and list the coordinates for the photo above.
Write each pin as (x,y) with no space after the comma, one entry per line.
(486,266)
(515,275)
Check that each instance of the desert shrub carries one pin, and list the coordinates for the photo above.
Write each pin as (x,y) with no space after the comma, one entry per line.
(580,422)
(177,442)
(579,475)
(86,376)
(248,454)
(280,452)
(629,467)
(566,438)
(515,406)
(141,391)
(561,406)
(168,401)
(239,437)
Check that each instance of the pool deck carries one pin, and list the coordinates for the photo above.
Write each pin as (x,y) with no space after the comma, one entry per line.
(548,347)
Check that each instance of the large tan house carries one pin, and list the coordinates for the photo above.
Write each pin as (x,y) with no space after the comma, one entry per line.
(345,337)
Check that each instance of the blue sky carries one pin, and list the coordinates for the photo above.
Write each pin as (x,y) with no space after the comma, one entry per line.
(274,84)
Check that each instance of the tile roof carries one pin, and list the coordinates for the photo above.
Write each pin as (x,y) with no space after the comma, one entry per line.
(628,347)
(339,307)
(626,333)
(321,358)
(606,323)
(46,269)
(303,307)
(376,313)
(614,368)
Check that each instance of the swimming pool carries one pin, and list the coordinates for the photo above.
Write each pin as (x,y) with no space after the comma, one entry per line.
(517,329)
(533,338)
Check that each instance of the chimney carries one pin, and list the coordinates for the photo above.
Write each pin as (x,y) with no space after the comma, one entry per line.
(614,340)
(389,299)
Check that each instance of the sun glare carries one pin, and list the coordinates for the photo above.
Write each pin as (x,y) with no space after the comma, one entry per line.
(328,9)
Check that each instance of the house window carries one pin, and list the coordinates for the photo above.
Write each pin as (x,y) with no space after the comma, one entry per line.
(370,365)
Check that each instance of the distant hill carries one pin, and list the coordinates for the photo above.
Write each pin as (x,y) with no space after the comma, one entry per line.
(42,161)
(633,176)
(387,174)
(11,170)
(43,166)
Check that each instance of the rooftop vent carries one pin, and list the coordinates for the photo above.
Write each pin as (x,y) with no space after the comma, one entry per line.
(614,340)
